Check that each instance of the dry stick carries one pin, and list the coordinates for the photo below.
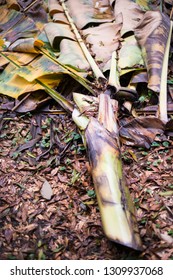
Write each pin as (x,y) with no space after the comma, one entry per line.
(97,72)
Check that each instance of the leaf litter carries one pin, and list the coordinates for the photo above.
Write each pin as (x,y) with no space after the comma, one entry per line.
(44,145)
(67,226)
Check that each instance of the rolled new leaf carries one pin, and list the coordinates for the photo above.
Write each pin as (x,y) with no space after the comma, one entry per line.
(116,207)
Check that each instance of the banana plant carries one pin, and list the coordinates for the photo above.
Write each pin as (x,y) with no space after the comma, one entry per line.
(102,141)
(64,53)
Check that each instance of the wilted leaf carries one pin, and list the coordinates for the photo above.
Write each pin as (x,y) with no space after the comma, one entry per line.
(13,85)
(152,34)
(130,54)
(166,238)
(60,18)
(29,144)
(19,58)
(84,12)
(40,67)
(26,28)
(27,45)
(169,128)
(25,4)
(32,102)
(3,61)
(54,7)
(46,190)
(71,54)
(8,234)
(36,11)
(28,228)
(8,19)
(61,38)
(167,193)
(13,4)
(131,14)
(103,46)
(56,32)
(139,77)
(140,131)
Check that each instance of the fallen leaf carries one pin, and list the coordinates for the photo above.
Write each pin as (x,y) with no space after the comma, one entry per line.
(152,34)
(166,237)
(131,13)
(46,190)
(140,131)
(83,13)
(168,193)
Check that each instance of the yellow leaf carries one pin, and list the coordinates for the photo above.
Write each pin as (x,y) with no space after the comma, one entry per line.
(2,43)
(13,85)
(26,45)
(38,68)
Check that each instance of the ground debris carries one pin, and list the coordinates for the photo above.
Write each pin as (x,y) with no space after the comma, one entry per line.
(68,225)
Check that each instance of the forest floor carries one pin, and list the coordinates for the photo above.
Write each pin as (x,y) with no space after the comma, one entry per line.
(67,225)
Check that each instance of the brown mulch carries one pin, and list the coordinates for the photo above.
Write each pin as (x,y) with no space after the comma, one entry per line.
(68,226)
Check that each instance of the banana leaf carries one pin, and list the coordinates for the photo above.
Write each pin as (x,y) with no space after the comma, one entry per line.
(131,14)
(25,45)
(60,18)
(130,54)
(102,47)
(97,122)
(152,35)
(37,10)
(86,13)
(54,7)
(140,131)
(21,58)
(13,4)
(9,18)
(14,85)
(23,28)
